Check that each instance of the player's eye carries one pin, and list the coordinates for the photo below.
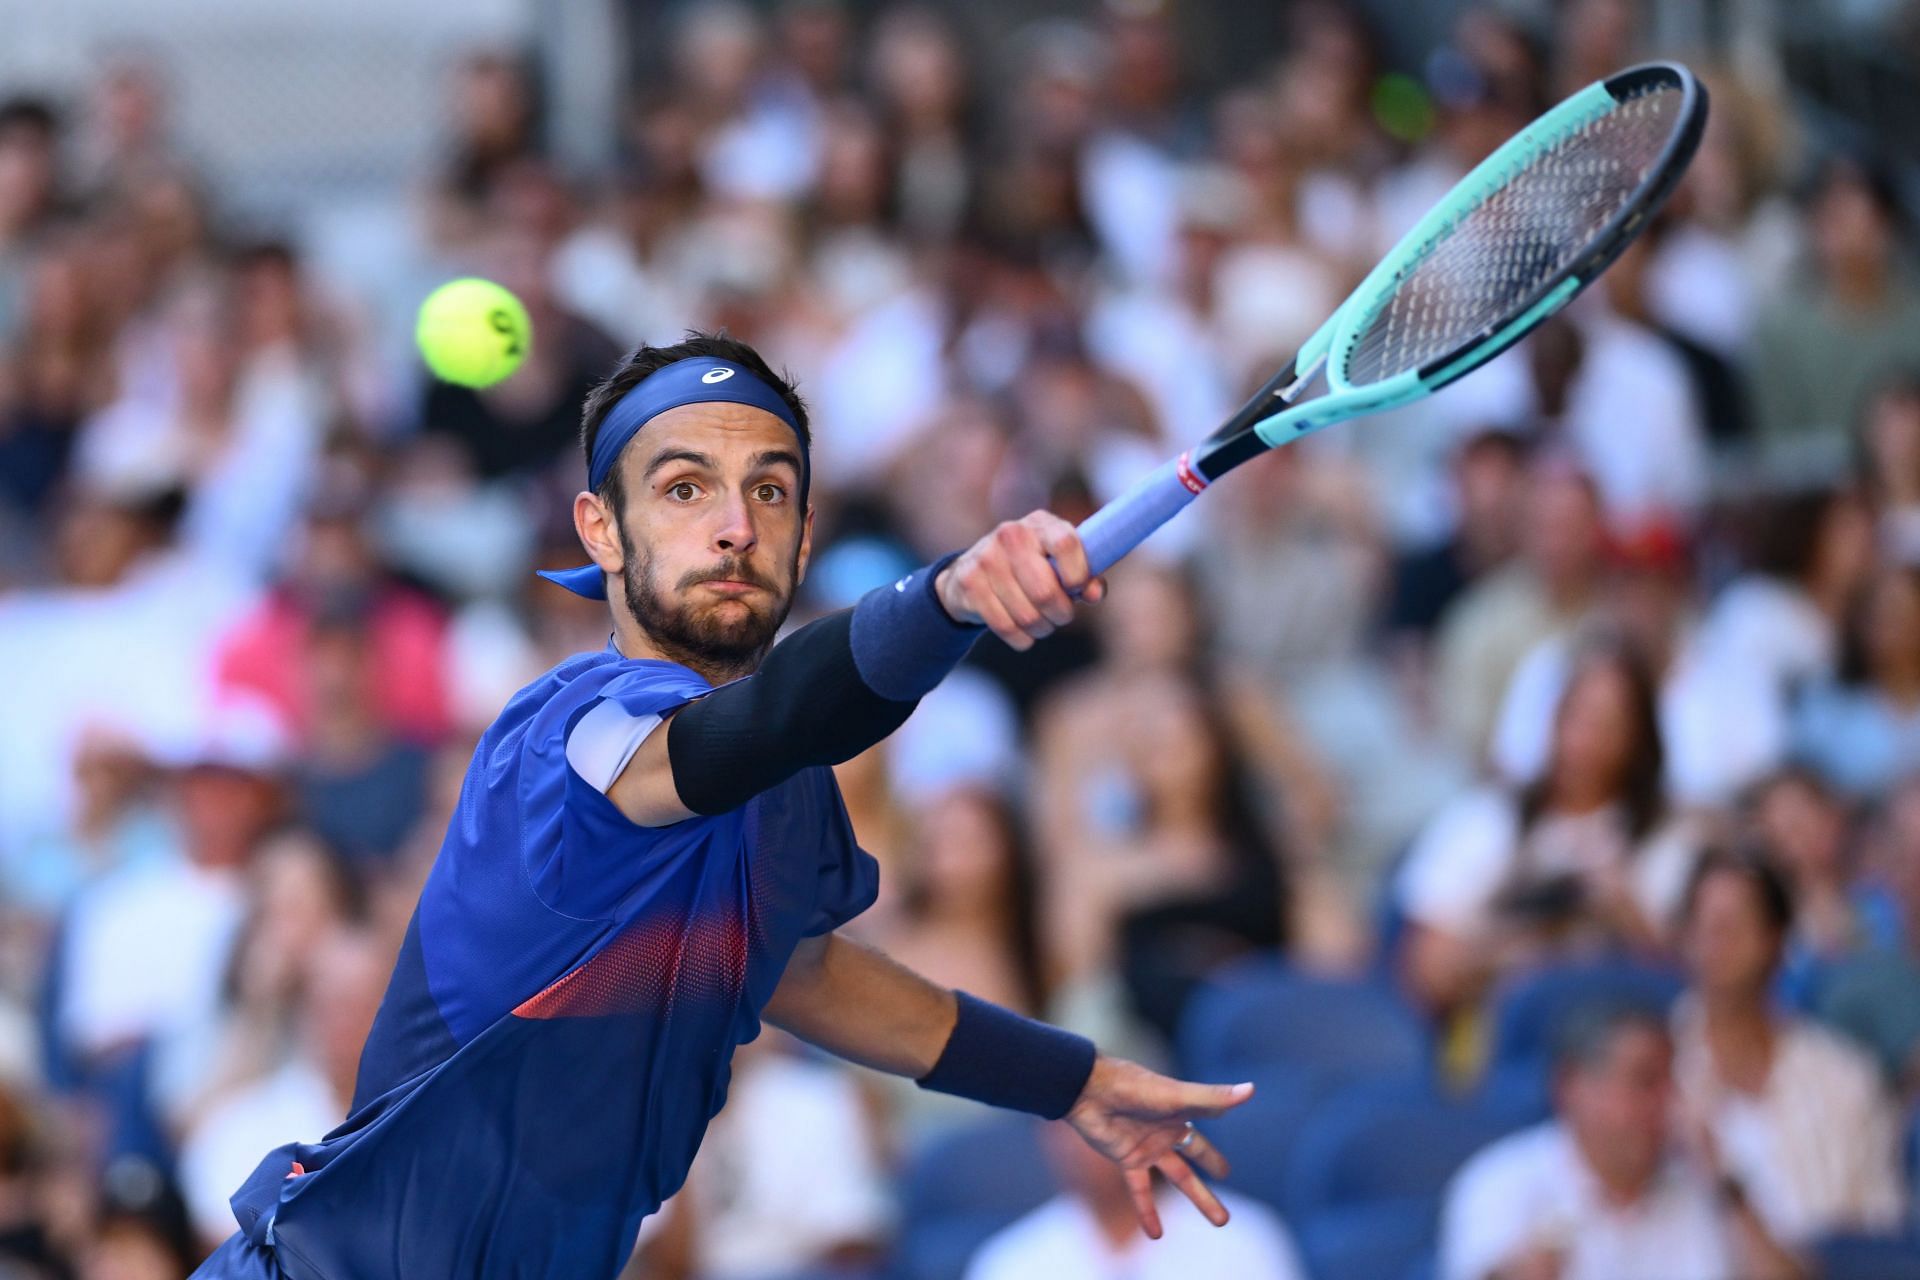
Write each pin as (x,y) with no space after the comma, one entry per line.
(683,491)
(769,492)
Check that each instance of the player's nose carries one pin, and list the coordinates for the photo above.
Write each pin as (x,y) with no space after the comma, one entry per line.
(734,531)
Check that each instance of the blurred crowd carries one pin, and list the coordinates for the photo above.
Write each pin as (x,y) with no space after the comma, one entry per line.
(1608,656)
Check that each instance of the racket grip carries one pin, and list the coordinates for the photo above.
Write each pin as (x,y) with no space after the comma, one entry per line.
(1127,521)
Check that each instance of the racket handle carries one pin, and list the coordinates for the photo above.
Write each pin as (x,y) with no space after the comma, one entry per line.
(1127,521)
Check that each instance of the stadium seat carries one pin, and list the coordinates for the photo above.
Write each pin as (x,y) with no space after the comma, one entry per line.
(1373,1242)
(961,1188)
(1528,1011)
(1263,1012)
(1518,1093)
(1868,1258)
(1382,1144)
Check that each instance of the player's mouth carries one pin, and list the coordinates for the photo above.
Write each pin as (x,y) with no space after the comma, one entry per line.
(732,586)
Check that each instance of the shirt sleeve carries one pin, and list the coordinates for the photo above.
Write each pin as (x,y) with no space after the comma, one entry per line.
(849,877)
(1484,1220)
(594,858)
(1457,863)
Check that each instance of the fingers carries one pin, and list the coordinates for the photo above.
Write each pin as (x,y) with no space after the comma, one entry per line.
(1140,1188)
(1204,1154)
(1181,1175)
(1064,549)
(1204,1101)
(1018,579)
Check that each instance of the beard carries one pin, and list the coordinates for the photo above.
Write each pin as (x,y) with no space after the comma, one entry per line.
(720,643)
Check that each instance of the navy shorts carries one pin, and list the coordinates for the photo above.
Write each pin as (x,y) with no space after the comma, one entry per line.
(239,1260)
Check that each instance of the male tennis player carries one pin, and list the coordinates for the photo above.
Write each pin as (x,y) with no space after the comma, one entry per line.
(650,856)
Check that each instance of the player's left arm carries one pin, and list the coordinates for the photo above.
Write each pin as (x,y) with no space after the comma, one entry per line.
(861,1005)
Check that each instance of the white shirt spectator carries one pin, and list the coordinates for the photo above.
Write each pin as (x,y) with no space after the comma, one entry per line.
(1721,722)
(1463,858)
(788,1170)
(145,951)
(1818,1151)
(1533,1190)
(64,664)
(1061,1241)
(1631,414)
(225,1145)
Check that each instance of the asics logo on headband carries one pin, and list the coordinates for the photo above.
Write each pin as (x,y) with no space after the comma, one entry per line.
(716,375)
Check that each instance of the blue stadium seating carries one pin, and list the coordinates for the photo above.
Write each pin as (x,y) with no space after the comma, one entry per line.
(1528,1011)
(961,1188)
(1375,1144)
(1262,1012)
(1372,1242)
(1868,1258)
(1519,1093)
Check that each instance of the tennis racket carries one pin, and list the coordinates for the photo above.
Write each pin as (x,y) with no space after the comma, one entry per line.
(1511,244)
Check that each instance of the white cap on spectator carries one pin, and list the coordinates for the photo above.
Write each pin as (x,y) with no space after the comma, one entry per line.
(239,732)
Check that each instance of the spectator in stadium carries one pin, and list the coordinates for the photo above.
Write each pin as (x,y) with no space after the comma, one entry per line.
(1838,911)
(1489,476)
(790,1175)
(493,116)
(128,124)
(1601,1192)
(298,896)
(1889,440)
(1874,996)
(1798,1116)
(29,189)
(59,372)
(1844,324)
(26,1251)
(1489,629)
(1157,630)
(333,569)
(966,913)
(1158,867)
(142,950)
(1807,556)
(1585,857)
(359,785)
(1088,1232)
(925,96)
(1861,731)
(243,449)
(339,973)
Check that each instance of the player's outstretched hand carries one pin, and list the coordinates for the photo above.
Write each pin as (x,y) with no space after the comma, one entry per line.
(1139,1119)
(1020,580)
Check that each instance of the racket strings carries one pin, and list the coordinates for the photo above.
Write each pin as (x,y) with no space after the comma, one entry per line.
(1541,215)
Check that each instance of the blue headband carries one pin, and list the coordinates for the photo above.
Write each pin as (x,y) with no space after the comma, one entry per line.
(696,380)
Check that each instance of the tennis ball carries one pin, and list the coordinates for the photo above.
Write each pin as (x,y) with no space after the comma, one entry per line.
(473,332)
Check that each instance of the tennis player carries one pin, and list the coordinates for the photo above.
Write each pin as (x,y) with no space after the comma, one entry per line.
(650,856)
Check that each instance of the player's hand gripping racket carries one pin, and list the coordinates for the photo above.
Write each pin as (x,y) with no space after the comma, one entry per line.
(1523,233)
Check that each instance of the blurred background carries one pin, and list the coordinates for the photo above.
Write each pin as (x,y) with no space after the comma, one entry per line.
(1522,788)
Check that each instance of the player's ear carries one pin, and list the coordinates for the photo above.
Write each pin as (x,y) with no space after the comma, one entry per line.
(806,548)
(599,532)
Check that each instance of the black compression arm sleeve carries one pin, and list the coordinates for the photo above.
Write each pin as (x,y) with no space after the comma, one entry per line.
(813,701)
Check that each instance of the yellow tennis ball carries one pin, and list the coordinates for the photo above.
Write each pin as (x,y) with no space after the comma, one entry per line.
(473,332)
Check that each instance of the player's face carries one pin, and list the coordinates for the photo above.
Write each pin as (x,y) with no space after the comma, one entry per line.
(713,535)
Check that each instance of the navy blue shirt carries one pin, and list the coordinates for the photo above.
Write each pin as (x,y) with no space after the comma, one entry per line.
(560,1022)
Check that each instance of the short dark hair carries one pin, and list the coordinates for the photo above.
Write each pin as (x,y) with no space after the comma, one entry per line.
(36,115)
(1587,1032)
(644,361)
(1753,862)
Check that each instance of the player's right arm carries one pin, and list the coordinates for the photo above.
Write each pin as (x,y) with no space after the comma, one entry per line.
(838,685)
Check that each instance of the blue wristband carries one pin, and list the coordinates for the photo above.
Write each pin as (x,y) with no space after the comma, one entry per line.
(997,1057)
(903,641)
